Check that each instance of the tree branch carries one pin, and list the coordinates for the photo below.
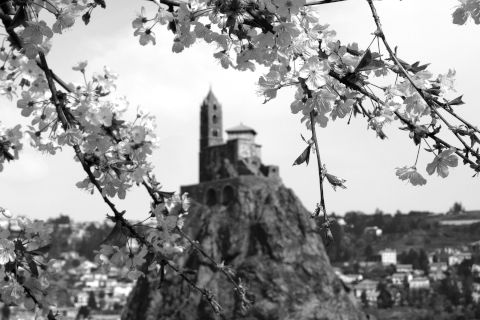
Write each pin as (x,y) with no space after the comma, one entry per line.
(432,105)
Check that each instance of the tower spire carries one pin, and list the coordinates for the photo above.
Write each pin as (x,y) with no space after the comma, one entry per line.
(211,124)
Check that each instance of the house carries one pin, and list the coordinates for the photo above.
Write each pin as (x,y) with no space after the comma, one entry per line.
(388,257)
(87,266)
(476,268)
(476,296)
(458,258)
(122,289)
(438,267)
(114,272)
(418,273)
(368,264)
(437,275)
(350,278)
(369,287)
(418,283)
(399,278)
(70,255)
(95,280)
(81,299)
(67,312)
(57,265)
(405,268)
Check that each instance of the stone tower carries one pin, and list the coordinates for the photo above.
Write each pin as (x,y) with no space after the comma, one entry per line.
(225,166)
(210,130)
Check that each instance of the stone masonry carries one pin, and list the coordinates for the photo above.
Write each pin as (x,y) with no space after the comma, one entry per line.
(225,166)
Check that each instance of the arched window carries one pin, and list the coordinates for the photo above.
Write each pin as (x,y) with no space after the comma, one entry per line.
(215,133)
(214,107)
(228,195)
(211,197)
(214,118)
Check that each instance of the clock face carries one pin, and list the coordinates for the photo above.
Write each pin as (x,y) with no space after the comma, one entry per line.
(244,151)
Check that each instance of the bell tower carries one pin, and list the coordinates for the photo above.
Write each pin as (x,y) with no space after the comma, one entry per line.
(211,133)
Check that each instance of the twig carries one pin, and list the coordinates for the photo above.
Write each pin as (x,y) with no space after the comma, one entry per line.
(447,107)
(319,163)
(222,269)
(313,3)
(418,153)
(206,293)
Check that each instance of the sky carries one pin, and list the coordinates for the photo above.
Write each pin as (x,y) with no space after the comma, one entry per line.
(172,87)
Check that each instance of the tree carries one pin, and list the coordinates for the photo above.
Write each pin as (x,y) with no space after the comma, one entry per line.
(384,299)
(423,263)
(332,81)
(364,299)
(5,312)
(457,208)
(368,252)
(83,313)
(92,301)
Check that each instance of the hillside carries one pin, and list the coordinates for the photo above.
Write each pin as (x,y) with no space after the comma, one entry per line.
(402,232)
(267,237)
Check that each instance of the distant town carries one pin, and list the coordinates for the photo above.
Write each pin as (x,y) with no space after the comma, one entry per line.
(82,289)
(418,265)
(394,266)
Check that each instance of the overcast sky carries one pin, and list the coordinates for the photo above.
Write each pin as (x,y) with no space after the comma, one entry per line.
(172,86)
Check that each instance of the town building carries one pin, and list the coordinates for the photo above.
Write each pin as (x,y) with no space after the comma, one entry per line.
(399,278)
(418,273)
(418,283)
(442,254)
(388,257)
(368,264)
(437,275)
(370,288)
(458,258)
(226,166)
(476,268)
(438,267)
(94,280)
(347,278)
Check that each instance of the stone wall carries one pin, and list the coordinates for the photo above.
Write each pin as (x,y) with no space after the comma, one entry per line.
(225,191)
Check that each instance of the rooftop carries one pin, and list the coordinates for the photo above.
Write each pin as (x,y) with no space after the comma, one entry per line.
(241,128)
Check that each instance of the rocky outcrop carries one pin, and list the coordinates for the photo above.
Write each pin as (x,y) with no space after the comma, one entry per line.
(267,237)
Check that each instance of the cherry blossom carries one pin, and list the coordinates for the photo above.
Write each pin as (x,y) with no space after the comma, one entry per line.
(445,159)
(7,251)
(411,175)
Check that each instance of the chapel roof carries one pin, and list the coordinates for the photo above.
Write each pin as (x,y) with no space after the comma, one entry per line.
(241,128)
